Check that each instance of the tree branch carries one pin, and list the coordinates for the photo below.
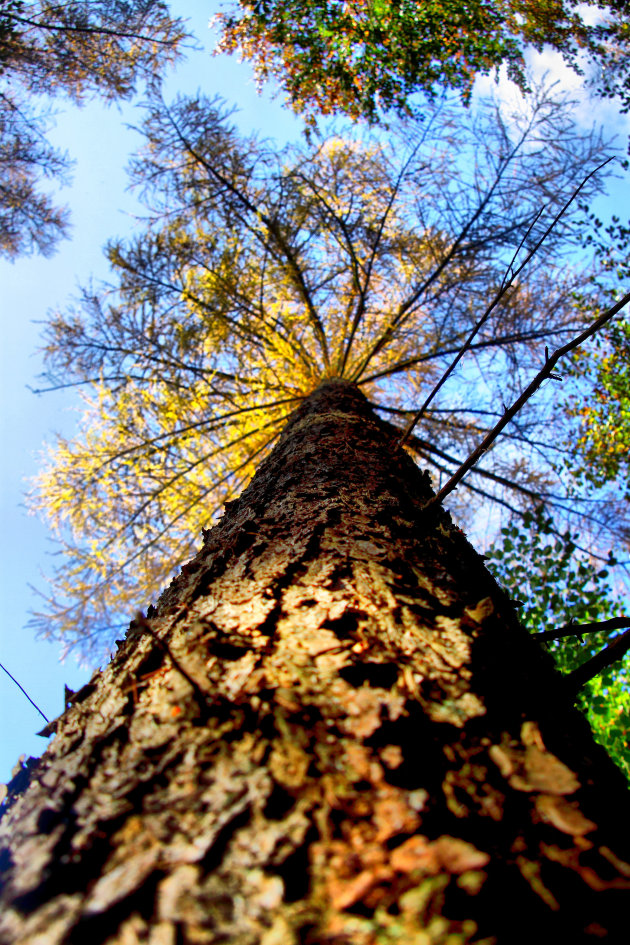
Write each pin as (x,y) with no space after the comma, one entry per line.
(272,227)
(577,629)
(88,30)
(140,624)
(406,306)
(510,413)
(24,692)
(615,651)
(496,342)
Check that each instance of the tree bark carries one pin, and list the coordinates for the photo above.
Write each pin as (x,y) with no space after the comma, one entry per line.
(332,729)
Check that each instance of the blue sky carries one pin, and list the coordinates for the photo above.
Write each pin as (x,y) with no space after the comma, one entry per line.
(101,208)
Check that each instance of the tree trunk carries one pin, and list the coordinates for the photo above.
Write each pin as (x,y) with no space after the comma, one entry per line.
(331,730)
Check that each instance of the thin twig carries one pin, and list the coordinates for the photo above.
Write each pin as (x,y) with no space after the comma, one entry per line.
(510,413)
(497,341)
(510,275)
(23,690)
(577,629)
(615,651)
(95,30)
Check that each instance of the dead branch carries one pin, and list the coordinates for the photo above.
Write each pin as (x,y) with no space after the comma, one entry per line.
(546,372)
(140,624)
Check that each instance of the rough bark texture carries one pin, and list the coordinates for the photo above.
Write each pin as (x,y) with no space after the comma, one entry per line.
(332,729)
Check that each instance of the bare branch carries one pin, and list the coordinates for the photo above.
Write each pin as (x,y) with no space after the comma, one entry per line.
(140,625)
(363,290)
(273,229)
(511,412)
(496,342)
(24,692)
(406,307)
(86,30)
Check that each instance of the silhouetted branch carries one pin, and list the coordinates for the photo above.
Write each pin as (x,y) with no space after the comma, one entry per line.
(511,412)
(406,307)
(496,342)
(273,229)
(86,30)
(24,692)
(615,651)
(577,629)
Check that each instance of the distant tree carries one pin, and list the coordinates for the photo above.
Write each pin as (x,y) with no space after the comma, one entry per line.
(367,57)
(261,274)
(75,49)
(557,584)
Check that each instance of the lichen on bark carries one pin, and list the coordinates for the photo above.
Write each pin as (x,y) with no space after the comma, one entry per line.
(331,729)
